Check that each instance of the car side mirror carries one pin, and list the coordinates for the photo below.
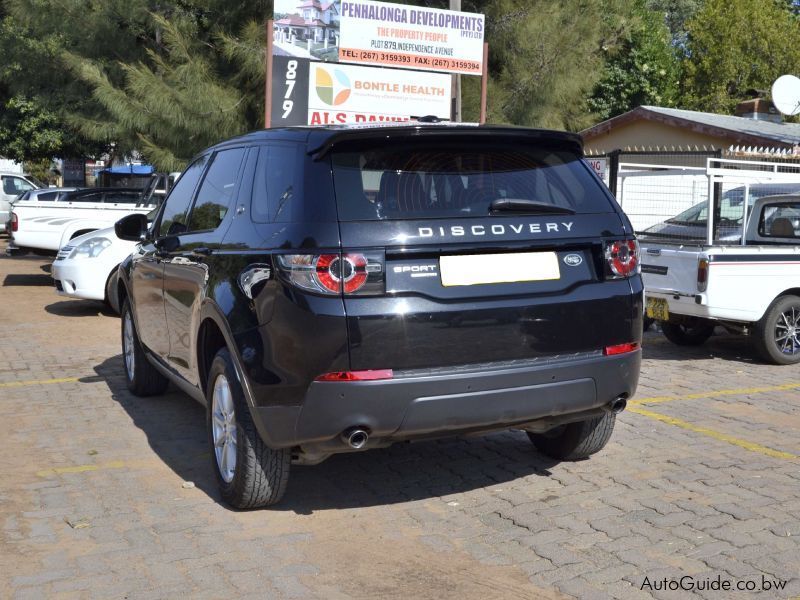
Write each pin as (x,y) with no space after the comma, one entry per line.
(132,228)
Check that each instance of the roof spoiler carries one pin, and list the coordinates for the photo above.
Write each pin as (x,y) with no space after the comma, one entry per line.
(570,141)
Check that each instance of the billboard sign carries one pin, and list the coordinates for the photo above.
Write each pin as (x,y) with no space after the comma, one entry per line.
(340,93)
(410,37)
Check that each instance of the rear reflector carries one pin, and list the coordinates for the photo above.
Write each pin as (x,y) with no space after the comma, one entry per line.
(621,348)
(357,375)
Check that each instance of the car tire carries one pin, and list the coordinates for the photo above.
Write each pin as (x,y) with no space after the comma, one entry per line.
(575,441)
(259,474)
(692,332)
(777,334)
(111,299)
(143,378)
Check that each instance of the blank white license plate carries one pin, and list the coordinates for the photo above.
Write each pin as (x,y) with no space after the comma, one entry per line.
(478,269)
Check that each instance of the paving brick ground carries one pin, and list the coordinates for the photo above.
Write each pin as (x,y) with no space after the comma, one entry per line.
(701,480)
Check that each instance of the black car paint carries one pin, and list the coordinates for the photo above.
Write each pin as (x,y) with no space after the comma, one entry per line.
(283,338)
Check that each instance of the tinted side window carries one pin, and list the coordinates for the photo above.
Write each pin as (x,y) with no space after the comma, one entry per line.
(781,221)
(173,219)
(216,191)
(90,197)
(14,186)
(277,183)
(122,197)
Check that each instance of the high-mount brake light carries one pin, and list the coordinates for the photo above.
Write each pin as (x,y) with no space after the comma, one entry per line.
(373,375)
(622,258)
(621,349)
(328,273)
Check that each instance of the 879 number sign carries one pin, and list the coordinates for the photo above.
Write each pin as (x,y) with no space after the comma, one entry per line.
(289,91)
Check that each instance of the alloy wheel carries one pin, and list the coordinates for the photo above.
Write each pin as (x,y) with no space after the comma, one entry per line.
(787,331)
(223,426)
(128,346)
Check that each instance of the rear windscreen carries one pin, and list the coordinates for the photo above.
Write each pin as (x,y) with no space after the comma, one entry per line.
(435,180)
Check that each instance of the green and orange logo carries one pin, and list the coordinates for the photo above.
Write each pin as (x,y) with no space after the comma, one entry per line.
(333,89)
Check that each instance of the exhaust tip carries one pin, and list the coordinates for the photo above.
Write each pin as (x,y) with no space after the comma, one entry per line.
(618,404)
(356,438)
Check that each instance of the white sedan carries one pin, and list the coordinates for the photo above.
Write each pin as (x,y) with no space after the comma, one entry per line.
(87,266)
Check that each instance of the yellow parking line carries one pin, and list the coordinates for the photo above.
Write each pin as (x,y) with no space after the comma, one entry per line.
(117,464)
(723,437)
(38,382)
(716,393)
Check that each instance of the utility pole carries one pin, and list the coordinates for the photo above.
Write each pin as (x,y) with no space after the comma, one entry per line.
(456,87)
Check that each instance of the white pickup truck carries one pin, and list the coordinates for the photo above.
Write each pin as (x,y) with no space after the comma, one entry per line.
(44,227)
(751,289)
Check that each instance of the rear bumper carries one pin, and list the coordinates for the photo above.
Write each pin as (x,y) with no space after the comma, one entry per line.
(697,305)
(437,403)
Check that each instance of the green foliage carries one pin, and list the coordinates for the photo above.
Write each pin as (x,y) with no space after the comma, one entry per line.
(642,69)
(737,45)
(169,77)
(676,14)
(545,58)
(156,77)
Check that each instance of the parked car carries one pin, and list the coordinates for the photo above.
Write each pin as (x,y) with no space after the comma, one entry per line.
(45,227)
(336,289)
(87,266)
(48,194)
(692,224)
(749,289)
(40,194)
(13,185)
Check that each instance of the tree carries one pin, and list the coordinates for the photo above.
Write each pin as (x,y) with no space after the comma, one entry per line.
(676,14)
(140,74)
(545,59)
(734,46)
(642,69)
(29,130)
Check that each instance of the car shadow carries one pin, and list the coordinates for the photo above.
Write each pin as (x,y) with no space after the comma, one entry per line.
(175,428)
(722,345)
(26,279)
(80,308)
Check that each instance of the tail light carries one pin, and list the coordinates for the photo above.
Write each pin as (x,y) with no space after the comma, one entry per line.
(622,258)
(357,375)
(621,348)
(351,273)
(14,222)
(702,275)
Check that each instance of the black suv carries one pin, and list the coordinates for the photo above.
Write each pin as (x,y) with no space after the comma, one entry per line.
(325,290)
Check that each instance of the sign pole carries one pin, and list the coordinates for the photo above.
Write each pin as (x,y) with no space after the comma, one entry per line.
(268,85)
(456,86)
(484,81)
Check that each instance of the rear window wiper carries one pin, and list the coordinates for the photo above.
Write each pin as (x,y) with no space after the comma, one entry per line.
(523,205)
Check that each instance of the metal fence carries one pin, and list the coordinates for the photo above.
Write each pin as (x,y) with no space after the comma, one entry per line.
(665,193)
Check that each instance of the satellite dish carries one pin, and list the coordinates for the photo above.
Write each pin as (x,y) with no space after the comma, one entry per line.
(786,94)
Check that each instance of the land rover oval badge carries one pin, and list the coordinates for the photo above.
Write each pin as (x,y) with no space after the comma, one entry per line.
(573,260)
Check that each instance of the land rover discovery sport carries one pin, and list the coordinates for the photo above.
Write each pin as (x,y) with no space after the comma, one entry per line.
(326,290)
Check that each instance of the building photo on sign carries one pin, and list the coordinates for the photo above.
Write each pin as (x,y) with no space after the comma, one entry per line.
(307,29)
